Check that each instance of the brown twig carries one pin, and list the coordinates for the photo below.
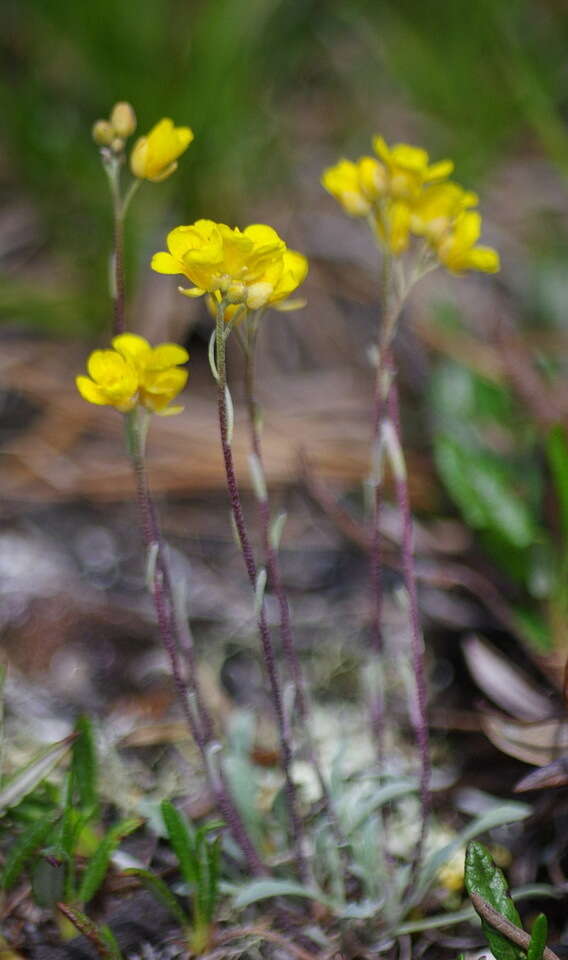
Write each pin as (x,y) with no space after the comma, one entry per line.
(504,926)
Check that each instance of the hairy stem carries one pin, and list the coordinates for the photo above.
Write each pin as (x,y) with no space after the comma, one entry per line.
(248,344)
(387,440)
(419,715)
(252,571)
(162,595)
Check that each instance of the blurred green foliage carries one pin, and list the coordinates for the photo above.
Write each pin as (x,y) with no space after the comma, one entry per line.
(261,82)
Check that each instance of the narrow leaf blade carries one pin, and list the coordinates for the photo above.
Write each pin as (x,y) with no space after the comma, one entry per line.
(99,863)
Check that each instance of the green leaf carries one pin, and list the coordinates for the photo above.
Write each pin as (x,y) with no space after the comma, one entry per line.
(209,876)
(162,892)
(182,841)
(557,453)
(539,936)
(98,865)
(487,880)
(263,889)
(25,847)
(26,780)
(83,773)
(484,492)
(110,941)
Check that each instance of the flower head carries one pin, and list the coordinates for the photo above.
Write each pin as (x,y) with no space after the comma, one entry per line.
(154,157)
(134,373)
(251,267)
(404,196)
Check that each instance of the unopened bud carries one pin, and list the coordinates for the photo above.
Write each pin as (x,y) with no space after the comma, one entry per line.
(117,145)
(123,119)
(103,133)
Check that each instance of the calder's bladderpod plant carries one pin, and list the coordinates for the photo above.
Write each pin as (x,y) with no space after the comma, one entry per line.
(419,219)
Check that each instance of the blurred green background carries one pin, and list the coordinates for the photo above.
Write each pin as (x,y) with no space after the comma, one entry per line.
(274,90)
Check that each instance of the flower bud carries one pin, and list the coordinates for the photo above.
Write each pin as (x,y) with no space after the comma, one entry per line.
(117,145)
(123,119)
(102,133)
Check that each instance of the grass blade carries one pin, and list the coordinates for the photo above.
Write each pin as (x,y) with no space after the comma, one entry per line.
(27,779)
(99,863)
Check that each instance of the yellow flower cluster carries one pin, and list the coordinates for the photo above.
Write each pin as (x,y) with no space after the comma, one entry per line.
(406,195)
(253,267)
(134,373)
(155,156)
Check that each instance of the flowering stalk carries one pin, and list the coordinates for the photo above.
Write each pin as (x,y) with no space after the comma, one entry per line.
(387,445)
(162,594)
(253,575)
(419,715)
(247,337)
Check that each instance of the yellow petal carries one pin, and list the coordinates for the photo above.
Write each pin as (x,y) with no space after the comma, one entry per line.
(381,149)
(167,382)
(439,171)
(89,391)
(468,229)
(485,259)
(131,346)
(414,159)
(166,355)
(104,365)
(138,158)
(164,263)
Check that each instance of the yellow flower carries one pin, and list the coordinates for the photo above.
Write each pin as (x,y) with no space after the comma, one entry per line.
(457,251)
(438,207)
(113,382)
(409,168)
(356,186)
(154,157)
(133,373)
(253,267)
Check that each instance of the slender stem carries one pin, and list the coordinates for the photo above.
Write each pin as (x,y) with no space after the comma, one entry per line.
(248,345)
(252,571)
(391,312)
(164,605)
(120,204)
(119,325)
(386,409)
(419,715)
